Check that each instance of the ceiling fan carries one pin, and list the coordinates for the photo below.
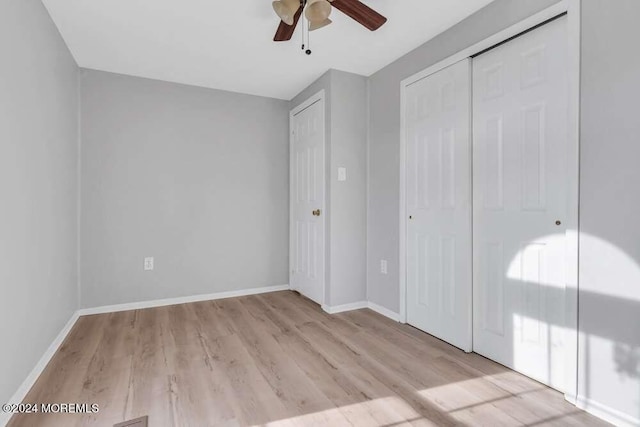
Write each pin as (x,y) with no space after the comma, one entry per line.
(317,13)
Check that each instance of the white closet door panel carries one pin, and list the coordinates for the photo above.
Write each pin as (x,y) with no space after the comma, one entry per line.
(520,116)
(439,204)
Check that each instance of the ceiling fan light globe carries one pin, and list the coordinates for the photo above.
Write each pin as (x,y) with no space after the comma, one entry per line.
(317,25)
(286,10)
(318,10)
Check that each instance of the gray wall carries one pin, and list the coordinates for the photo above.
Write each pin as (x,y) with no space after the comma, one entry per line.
(609,362)
(346,146)
(348,198)
(196,178)
(38,171)
(384,134)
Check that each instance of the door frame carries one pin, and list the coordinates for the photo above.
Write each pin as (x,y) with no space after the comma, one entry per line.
(572,9)
(318,97)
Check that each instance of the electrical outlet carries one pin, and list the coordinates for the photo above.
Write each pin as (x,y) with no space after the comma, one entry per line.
(148,264)
(383,266)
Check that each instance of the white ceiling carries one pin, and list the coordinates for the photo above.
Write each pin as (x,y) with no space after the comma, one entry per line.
(228,44)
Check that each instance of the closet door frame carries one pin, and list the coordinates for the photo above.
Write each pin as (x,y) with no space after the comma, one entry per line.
(572,9)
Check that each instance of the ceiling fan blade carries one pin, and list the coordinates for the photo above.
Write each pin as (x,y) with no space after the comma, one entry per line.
(285,32)
(360,12)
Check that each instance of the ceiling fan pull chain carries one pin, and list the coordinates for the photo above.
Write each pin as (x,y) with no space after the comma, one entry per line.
(308,51)
(302,31)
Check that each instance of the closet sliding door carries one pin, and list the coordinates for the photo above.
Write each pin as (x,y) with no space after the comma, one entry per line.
(521,184)
(438,196)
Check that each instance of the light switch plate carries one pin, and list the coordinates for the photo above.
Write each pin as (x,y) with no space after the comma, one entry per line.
(342,174)
(383,266)
(148,264)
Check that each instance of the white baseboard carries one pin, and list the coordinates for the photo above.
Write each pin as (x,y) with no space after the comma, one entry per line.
(179,300)
(362,304)
(344,307)
(35,373)
(384,311)
(571,398)
(606,413)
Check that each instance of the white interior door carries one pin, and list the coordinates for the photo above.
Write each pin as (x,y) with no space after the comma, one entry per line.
(520,110)
(437,135)
(307,233)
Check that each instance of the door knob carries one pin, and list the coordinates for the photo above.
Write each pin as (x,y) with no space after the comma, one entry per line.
(316,212)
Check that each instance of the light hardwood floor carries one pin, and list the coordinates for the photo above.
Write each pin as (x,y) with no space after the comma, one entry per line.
(278,359)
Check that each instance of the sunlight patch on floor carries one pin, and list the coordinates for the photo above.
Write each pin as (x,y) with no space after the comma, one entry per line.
(481,400)
(387,411)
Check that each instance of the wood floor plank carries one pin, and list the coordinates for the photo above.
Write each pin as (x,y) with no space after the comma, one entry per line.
(345,394)
(254,396)
(299,394)
(109,370)
(150,379)
(189,361)
(279,360)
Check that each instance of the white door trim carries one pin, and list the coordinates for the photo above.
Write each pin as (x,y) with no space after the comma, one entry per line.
(573,210)
(572,9)
(317,97)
